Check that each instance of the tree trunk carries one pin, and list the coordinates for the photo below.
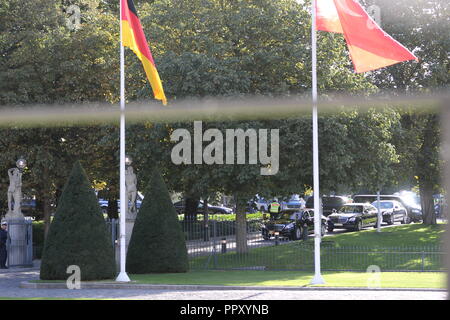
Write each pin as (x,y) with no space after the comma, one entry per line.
(47,216)
(241,225)
(428,166)
(191,208)
(426,199)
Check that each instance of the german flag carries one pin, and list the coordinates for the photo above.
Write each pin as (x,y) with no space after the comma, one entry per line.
(133,37)
(370,47)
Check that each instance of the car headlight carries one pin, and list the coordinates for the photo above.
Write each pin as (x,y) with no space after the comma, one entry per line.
(289,226)
(352,219)
(415,211)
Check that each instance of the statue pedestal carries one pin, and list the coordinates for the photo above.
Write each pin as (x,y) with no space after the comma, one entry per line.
(20,240)
(128,231)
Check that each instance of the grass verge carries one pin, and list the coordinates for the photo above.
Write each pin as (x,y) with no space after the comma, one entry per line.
(414,247)
(297,279)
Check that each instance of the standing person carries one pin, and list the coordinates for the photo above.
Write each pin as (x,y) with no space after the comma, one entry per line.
(302,203)
(274,208)
(3,238)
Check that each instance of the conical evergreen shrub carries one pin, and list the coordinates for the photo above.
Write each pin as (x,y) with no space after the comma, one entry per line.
(78,234)
(157,244)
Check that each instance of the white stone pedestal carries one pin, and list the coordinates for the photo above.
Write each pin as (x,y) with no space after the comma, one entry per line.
(17,248)
(128,231)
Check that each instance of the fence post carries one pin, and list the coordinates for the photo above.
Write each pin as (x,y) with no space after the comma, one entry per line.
(423,261)
(214,243)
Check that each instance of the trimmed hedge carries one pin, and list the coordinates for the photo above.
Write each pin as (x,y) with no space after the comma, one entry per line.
(38,239)
(157,244)
(78,234)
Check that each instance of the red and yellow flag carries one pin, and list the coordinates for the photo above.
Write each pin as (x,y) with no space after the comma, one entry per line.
(133,37)
(369,46)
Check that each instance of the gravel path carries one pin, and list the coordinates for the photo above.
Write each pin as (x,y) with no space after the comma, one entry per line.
(9,287)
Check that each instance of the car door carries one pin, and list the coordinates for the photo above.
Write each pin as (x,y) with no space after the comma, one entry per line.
(370,217)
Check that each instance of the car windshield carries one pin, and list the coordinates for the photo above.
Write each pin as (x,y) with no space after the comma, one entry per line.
(383,205)
(332,201)
(327,201)
(351,209)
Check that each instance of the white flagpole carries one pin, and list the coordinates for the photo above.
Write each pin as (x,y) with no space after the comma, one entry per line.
(122,277)
(317,210)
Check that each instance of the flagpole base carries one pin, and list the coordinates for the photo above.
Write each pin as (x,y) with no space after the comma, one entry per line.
(317,279)
(123,277)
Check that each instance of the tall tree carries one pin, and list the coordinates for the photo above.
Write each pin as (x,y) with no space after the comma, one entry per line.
(422,26)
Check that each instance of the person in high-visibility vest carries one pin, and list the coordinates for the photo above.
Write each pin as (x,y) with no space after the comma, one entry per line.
(274,208)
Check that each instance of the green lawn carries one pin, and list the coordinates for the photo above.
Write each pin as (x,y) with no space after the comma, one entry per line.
(409,240)
(435,280)
(413,247)
(296,278)
(397,236)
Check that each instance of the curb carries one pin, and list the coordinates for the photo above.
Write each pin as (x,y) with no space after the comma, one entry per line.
(19,270)
(127,286)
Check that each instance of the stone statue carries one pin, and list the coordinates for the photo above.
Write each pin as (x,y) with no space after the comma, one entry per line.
(15,191)
(131,188)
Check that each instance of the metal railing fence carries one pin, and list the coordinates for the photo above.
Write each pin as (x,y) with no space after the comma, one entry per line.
(212,245)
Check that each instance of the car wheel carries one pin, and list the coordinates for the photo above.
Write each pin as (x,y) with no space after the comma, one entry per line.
(296,233)
(405,219)
(330,229)
(391,220)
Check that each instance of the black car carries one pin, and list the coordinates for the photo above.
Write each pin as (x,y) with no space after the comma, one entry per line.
(414,210)
(354,216)
(180,206)
(329,203)
(392,211)
(291,225)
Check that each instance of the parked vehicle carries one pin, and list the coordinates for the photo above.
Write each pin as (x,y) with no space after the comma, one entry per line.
(295,203)
(354,216)
(180,206)
(261,204)
(104,203)
(414,210)
(329,203)
(28,205)
(392,211)
(291,225)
